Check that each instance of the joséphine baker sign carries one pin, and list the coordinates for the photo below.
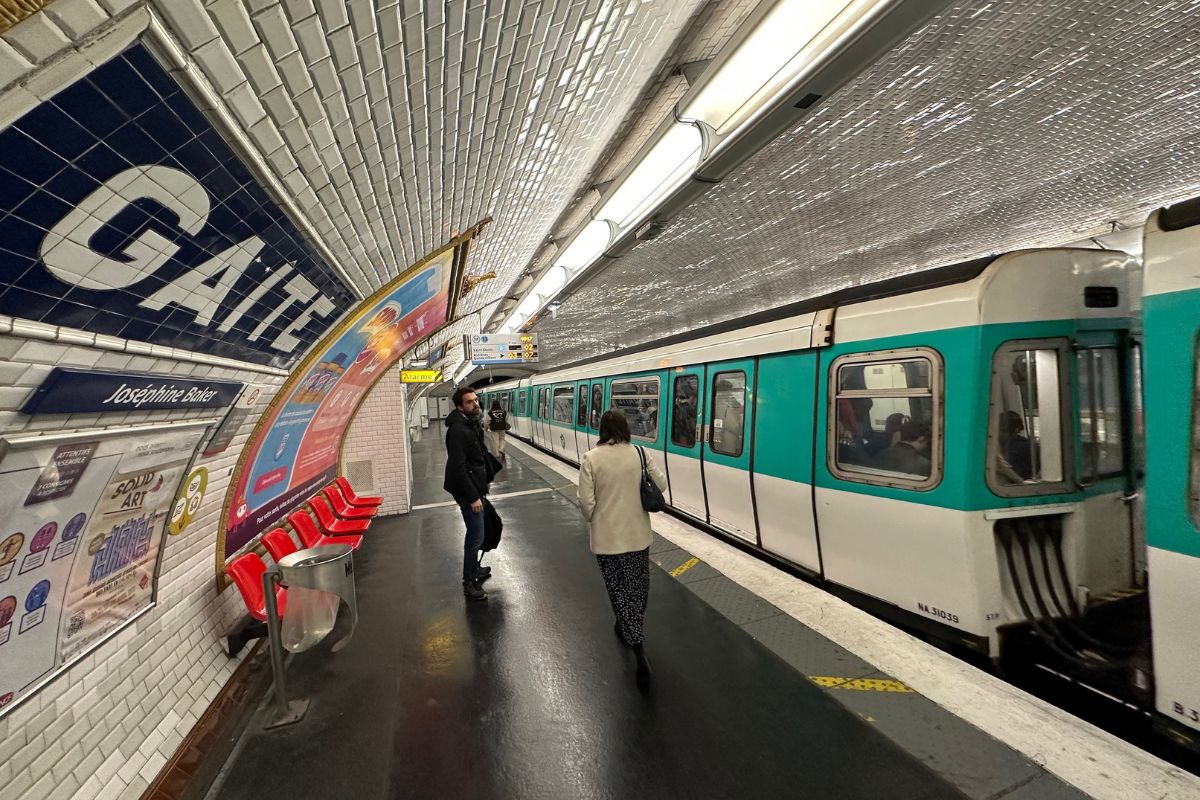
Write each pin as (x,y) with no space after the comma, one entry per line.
(75,391)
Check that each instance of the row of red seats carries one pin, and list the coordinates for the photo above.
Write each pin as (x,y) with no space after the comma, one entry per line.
(342,517)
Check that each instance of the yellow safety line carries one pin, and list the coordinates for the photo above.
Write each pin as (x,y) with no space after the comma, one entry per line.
(860,684)
(684,567)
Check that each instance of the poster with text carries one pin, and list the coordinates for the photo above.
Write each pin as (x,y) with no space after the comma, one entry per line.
(80,529)
(295,451)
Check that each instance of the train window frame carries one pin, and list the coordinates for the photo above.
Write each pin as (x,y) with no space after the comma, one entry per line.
(937,395)
(692,427)
(597,406)
(613,397)
(1089,464)
(1066,484)
(522,402)
(569,390)
(712,403)
(581,410)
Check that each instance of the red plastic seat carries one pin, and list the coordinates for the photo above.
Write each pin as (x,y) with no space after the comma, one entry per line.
(357,499)
(246,571)
(306,529)
(342,508)
(330,524)
(279,543)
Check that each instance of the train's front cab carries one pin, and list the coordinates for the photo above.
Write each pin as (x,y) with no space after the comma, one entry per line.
(1172,485)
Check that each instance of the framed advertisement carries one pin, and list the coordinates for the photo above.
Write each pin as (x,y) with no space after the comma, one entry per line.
(83,521)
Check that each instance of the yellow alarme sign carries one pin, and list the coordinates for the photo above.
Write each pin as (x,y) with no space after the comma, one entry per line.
(421,376)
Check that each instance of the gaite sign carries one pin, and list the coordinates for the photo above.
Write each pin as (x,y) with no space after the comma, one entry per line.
(123,212)
(75,391)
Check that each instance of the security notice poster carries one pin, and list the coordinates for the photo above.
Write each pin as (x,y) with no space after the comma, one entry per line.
(82,527)
(295,449)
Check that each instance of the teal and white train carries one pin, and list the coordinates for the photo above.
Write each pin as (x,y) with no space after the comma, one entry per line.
(958,449)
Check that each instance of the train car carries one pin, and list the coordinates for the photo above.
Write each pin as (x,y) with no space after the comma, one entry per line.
(1171,316)
(950,447)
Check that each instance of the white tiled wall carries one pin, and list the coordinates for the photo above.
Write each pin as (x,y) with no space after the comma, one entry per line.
(379,435)
(106,726)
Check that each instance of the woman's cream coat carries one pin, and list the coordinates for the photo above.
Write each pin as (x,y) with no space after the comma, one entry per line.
(611,499)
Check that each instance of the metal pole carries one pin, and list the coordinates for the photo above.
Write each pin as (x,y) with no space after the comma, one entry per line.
(276,640)
(285,713)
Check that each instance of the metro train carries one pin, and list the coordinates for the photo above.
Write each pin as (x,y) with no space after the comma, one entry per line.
(959,449)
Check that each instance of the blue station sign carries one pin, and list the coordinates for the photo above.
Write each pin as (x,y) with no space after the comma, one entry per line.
(67,390)
(124,212)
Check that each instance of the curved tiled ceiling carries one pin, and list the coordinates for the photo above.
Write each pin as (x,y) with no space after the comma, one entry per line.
(996,126)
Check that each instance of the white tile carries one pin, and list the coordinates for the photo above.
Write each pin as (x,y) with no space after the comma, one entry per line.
(13,64)
(234,23)
(77,17)
(188,20)
(37,37)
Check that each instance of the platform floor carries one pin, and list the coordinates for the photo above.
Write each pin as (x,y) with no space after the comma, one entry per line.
(529,694)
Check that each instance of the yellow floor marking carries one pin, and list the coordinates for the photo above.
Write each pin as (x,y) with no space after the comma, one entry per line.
(684,567)
(860,684)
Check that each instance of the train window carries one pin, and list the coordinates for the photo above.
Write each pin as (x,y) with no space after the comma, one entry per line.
(582,419)
(1026,448)
(564,404)
(885,424)
(542,403)
(1100,412)
(505,401)
(597,405)
(686,402)
(522,400)
(638,401)
(728,413)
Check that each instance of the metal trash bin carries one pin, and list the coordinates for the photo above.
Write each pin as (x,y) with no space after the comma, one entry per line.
(318,579)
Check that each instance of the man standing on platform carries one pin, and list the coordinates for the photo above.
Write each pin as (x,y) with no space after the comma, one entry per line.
(467,481)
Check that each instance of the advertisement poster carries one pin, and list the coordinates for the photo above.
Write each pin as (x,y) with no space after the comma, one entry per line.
(295,449)
(82,527)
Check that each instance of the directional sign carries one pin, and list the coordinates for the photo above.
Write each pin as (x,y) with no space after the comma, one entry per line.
(502,348)
(421,376)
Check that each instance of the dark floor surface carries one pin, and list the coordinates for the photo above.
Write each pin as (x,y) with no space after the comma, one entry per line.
(530,695)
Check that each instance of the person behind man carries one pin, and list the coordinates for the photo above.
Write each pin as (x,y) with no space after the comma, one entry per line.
(467,481)
(610,497)
(910,455)
(497,425)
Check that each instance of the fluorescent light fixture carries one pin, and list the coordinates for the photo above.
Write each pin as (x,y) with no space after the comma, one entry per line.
(786,41)
(583,250)
(667,164)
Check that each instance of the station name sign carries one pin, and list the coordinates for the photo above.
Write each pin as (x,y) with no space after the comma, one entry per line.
(76,391)
(502,348)
(421,376)
(153,230)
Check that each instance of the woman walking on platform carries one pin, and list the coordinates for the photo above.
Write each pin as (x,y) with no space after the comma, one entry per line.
(610,496)
(497,425)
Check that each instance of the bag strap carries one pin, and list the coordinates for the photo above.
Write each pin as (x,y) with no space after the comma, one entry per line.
(642,456)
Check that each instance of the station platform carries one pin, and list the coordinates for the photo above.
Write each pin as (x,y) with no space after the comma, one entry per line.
(529,694)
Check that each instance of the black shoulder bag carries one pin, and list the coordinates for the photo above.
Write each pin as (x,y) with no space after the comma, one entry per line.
(652,496)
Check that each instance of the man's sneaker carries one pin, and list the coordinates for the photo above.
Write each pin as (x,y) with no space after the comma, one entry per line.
(485,572)
(473,591)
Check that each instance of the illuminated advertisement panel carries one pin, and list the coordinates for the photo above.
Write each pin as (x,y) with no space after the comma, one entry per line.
(294,450)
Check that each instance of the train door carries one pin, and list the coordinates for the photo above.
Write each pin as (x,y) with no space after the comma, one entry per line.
(595,409)
(541,436)
(726,459)
(562,420)
(783,456)
(582,395)
(686,441)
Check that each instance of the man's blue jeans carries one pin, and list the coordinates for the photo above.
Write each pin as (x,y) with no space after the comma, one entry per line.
(474,539)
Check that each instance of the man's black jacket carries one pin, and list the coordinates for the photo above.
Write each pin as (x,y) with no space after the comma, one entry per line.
(466,471)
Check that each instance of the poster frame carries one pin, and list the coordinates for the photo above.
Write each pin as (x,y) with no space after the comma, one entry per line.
(21,442)
(302,367)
